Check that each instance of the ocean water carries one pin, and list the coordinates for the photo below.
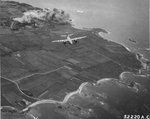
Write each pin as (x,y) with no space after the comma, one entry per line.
(108,98)
(124,19)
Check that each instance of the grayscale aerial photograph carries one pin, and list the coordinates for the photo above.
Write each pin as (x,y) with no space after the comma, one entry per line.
(74,59)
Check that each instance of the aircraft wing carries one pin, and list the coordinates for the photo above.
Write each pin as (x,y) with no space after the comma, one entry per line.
(60,40)
(79,38)
(65,40)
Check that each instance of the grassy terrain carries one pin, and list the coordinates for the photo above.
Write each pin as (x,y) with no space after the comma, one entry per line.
(51,70)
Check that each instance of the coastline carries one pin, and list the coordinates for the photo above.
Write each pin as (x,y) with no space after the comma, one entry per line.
(130,79)
(69,95)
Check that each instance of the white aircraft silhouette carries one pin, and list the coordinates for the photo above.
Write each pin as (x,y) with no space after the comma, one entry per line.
(34,117)
(70,40)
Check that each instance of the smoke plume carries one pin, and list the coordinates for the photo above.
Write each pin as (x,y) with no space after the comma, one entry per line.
(46,15)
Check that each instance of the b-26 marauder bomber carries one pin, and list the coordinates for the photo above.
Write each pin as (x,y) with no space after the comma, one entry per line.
(70,40)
